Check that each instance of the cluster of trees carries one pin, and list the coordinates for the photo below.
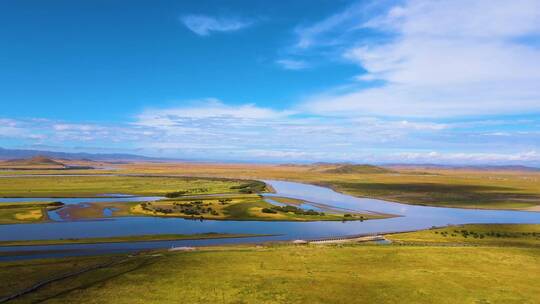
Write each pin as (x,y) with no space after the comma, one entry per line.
(188,208)
(146,206)
(477,235)
(464,233)
(269,210)
(224,201)
(445,233)
(180,193)
(251,187)
(198,190)
(195,208)
(149,207)
(293,209)
(175,194)
(347,216)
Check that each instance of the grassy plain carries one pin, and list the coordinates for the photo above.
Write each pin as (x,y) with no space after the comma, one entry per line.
(520,235)
(29,212)
(90,186)
(462,188)
(132,238)
(411,272)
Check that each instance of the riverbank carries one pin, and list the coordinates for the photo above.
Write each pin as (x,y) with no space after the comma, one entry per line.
(112,225)
(279,273)
(27,212)
(133,238)
(511,235)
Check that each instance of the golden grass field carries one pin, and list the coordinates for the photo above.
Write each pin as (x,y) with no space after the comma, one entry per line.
(26,212)
(463,188)
(418,270)
(94,185)
(462,264)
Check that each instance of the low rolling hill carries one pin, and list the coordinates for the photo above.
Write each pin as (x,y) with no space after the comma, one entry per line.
(353,169)
(37,163)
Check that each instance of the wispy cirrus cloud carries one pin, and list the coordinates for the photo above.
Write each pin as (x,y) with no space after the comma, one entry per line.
(433,58)
(203,25)
(336,29)
(291,64)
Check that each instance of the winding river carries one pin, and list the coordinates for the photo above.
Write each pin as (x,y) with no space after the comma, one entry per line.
(409,217)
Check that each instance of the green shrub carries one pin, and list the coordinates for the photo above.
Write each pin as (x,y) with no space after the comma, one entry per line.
(175,194)
(268,210)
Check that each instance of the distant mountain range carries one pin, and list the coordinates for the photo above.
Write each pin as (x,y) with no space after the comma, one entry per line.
(465,167)
(6,154)
(19,154)
(387,168)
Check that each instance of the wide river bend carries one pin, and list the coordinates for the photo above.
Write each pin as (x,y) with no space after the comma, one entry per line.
(410,217)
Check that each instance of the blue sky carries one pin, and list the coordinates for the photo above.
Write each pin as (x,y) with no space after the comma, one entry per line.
(360,81)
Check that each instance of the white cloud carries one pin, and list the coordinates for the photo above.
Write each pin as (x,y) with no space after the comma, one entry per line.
(76,127)
(469,158)
(211,129)
(446,58)
(330,30)
(204,25)
(278,154)
(290,64)
(250,131)
(9,128)
(209,109)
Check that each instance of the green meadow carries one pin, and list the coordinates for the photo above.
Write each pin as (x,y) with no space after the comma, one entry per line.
(461,188)
(90,186)
(420,270)
(484,189)
(522,235)
(129,238)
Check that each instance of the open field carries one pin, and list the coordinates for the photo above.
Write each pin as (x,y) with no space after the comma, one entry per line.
(463,188)
(521,235)
(406,273)
(484,189)
(31,212)
(133,238)
(90,186)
